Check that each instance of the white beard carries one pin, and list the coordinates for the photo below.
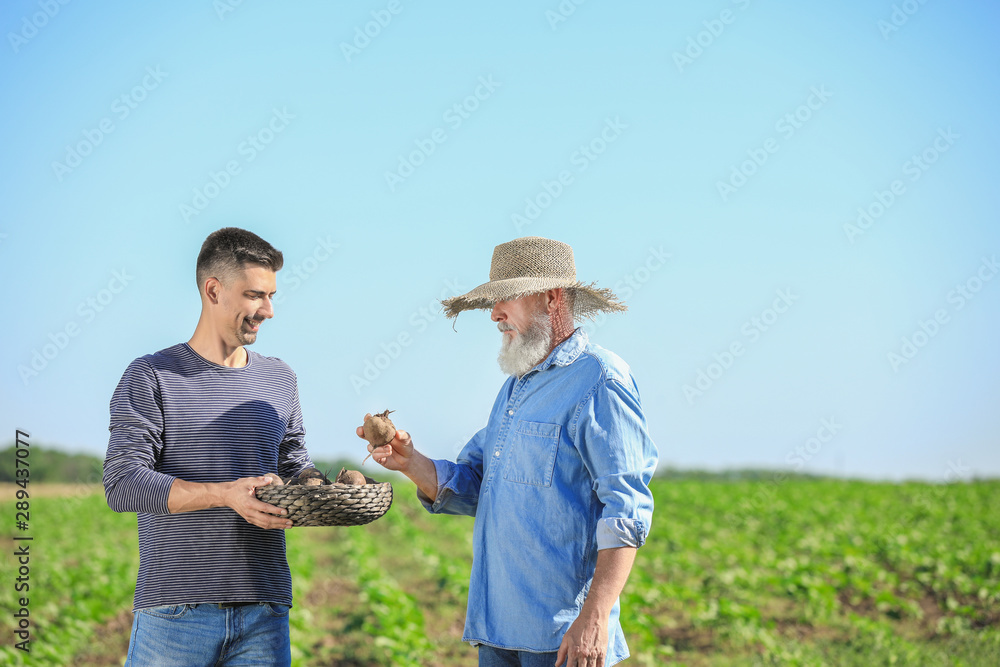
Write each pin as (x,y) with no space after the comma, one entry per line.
(527,348)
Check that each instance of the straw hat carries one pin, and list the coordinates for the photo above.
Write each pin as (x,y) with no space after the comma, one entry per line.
(530,265)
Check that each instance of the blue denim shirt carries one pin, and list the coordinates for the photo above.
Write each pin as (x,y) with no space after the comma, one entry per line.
(561,470)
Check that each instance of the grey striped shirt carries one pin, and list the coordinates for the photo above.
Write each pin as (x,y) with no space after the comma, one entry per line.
(175,415)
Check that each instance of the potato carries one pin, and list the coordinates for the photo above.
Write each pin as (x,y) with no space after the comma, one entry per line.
(275,480)
(310,477)
(354,477)
(379,430)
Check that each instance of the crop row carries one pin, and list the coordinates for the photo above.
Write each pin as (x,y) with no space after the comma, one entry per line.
(799,573)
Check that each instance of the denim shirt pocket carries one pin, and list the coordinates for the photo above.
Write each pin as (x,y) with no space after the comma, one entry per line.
(532,455)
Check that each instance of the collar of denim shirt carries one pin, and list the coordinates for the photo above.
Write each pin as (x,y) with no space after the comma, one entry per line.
(567,351)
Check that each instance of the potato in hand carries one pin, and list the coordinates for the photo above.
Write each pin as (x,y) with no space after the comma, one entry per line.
(379,430)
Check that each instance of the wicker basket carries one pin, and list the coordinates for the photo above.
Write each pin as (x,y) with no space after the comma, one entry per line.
(330,504)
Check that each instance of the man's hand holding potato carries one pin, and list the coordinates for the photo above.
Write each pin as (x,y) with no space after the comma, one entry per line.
(400,455)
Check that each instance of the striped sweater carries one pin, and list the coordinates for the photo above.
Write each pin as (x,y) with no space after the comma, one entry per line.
(175,415)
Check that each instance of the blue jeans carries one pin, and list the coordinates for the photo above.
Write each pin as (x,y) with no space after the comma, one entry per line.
(196,635)
(500,657)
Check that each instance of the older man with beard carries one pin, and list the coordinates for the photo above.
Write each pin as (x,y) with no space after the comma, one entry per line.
(558,480)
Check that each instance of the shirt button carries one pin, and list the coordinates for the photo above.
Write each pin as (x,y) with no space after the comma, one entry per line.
(496,453)
(510,413)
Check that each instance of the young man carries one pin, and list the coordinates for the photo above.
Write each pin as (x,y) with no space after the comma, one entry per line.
(193,429)
(558,479)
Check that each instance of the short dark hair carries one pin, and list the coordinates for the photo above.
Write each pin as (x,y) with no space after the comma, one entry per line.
(229,250)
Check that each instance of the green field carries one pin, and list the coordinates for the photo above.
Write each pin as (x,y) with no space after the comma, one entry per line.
(803,572)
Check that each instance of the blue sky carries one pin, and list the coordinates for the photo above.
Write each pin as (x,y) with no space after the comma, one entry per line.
(796,200)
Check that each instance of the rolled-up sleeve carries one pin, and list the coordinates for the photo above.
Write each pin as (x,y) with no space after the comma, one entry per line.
(458,482)
(131,484)
(612,438)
